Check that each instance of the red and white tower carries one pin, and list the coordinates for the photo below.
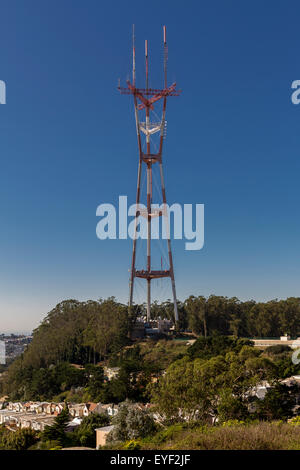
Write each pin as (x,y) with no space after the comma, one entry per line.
(144,100)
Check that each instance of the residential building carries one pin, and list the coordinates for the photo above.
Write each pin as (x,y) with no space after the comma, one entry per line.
(101,435)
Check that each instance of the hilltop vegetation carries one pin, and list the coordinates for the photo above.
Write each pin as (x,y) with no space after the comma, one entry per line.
(73,332)
(93,332)
(230,316)
(78,332)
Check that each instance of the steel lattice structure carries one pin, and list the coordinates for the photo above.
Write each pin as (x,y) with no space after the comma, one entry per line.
(144,99)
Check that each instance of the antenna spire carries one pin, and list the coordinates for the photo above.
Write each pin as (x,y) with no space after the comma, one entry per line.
(133,56)
(165,55)
(146,57)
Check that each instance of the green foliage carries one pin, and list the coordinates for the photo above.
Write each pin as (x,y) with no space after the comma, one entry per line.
(233,422)
(133,377)
(43,383)
(295,421)
(165,435)
(216,345)
(95,382)
(278,403)
(85,434)
(201,389)
(132,445)
(277,349)
(56,432)
(73,332)
(249,319)
(160,354)
(46,445)
(231,408)
(21,439)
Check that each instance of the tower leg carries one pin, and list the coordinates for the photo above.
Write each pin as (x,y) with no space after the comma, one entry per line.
(148,300)
(132,272)
(174,296)
(149,191)
(169,244)
(138,194)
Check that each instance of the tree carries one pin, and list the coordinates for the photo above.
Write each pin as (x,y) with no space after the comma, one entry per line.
(216,345)
(21,439)
(195,308)
(131,422)
(95,378)
(85,433)
(231,407)
(73,332)
(56,432)
(200,389)
(186,392)
(278,402)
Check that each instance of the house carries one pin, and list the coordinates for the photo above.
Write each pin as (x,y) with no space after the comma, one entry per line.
(53,408)
(77,410)
(41,422)
(42,407)
(260,391)
(25,422)
(5,416)
(18,407)
(101,435)
(111,409)
(50,408)
(72,425)
(27,406)
(12,421)
(111,372)
(89,408)
(35,407)
(58,408)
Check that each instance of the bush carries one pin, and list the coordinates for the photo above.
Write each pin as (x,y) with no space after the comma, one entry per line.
(206,348)
(22,439)
(166,434)
(131,423)
(45,445)
(295,421)
(277,349)
(233,422)
(132,445)
(278,403)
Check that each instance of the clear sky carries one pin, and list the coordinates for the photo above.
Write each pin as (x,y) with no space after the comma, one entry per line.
(68,144)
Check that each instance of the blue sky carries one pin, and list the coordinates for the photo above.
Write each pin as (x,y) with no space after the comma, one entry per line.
(68,144)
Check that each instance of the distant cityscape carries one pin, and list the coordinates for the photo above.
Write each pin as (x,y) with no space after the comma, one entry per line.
(15,344)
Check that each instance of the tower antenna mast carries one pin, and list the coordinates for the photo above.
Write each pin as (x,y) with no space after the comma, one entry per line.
(144,100)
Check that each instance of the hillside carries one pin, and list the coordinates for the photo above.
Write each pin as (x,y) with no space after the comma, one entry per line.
(96,333)
(230,436)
